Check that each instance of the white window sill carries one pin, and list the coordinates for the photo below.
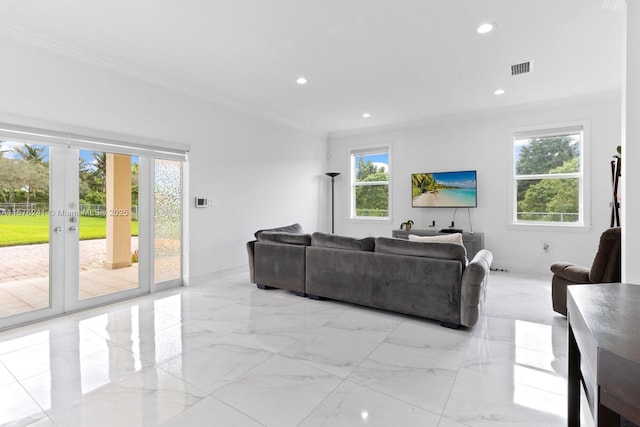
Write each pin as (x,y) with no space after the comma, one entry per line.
(549,227)
(363,220)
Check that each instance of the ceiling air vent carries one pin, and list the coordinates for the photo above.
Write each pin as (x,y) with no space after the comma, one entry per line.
(521,68)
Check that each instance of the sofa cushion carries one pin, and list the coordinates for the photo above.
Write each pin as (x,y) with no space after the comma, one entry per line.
(451,251)
(333,241)
(293,228)
(284,237)
(438,238)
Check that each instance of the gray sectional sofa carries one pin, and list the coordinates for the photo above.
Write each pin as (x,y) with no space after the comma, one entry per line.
(431,280)
(277,258)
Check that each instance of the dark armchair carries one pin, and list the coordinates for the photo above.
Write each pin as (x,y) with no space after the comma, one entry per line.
(606,268)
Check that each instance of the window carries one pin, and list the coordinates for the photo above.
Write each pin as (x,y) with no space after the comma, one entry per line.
(370,183)
(549,177)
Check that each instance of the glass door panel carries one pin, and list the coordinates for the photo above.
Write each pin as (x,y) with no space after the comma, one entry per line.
(108,223)
(167,199)
(70,236)
(24,228)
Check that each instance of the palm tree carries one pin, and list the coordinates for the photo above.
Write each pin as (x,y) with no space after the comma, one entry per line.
(100,172)
(424,182)
(84,171)
(135,180)
(30,153)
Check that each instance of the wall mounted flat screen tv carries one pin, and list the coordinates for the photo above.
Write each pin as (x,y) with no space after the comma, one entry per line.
(444,190)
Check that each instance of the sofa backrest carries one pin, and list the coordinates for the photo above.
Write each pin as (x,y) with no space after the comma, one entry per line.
(284,237)
(293,228)
(450,251)
(607,264)
(333,241)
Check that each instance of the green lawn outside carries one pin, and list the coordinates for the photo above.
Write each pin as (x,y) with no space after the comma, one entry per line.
(29,229)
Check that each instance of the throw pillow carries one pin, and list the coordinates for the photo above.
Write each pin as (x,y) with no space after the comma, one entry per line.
(439,238)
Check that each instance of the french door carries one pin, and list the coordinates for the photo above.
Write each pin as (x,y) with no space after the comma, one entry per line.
(94,225)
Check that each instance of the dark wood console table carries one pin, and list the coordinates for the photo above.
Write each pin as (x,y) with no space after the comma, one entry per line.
(604,352)
(473,242)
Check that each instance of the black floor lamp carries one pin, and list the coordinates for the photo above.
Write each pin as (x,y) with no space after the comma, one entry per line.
(333,181)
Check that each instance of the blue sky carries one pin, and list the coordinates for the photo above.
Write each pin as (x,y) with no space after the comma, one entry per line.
(377,158)
(464,179)
(7,148)
(87,155)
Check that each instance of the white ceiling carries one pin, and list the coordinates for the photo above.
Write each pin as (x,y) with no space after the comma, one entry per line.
(400,60)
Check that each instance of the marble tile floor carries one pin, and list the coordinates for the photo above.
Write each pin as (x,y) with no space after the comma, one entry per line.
(228,354)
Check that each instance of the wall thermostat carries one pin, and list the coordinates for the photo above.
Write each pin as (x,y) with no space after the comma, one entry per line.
(201,203)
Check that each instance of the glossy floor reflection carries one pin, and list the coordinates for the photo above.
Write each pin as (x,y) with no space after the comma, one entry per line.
(228,354)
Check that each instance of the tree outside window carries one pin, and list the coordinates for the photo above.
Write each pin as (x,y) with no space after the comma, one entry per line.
(370,183)
(24,174)
(549,177)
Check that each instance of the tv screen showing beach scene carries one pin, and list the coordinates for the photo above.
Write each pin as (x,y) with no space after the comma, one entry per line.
(444,190)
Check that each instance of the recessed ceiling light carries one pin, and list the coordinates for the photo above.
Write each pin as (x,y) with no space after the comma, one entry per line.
(499,92)
(301,80)
(486,27)
(366,115)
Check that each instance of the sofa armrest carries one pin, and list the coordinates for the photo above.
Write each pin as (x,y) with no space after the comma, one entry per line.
(280,265)
(251,250)
(474,282)
(571,272)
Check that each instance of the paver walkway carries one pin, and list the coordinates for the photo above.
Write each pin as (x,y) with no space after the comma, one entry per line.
(24,275)
(29,261)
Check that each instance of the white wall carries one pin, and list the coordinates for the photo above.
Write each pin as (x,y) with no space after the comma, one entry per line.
(261,174)
(483,143)
(258,173)
(631,150)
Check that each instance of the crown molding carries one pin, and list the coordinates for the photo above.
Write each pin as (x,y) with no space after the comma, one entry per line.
(59,47)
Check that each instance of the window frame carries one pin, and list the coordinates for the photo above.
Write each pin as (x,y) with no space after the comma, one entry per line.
(369,150)
(583,176)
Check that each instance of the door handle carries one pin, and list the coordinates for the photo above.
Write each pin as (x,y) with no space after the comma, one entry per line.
(58,230)
(73,228)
